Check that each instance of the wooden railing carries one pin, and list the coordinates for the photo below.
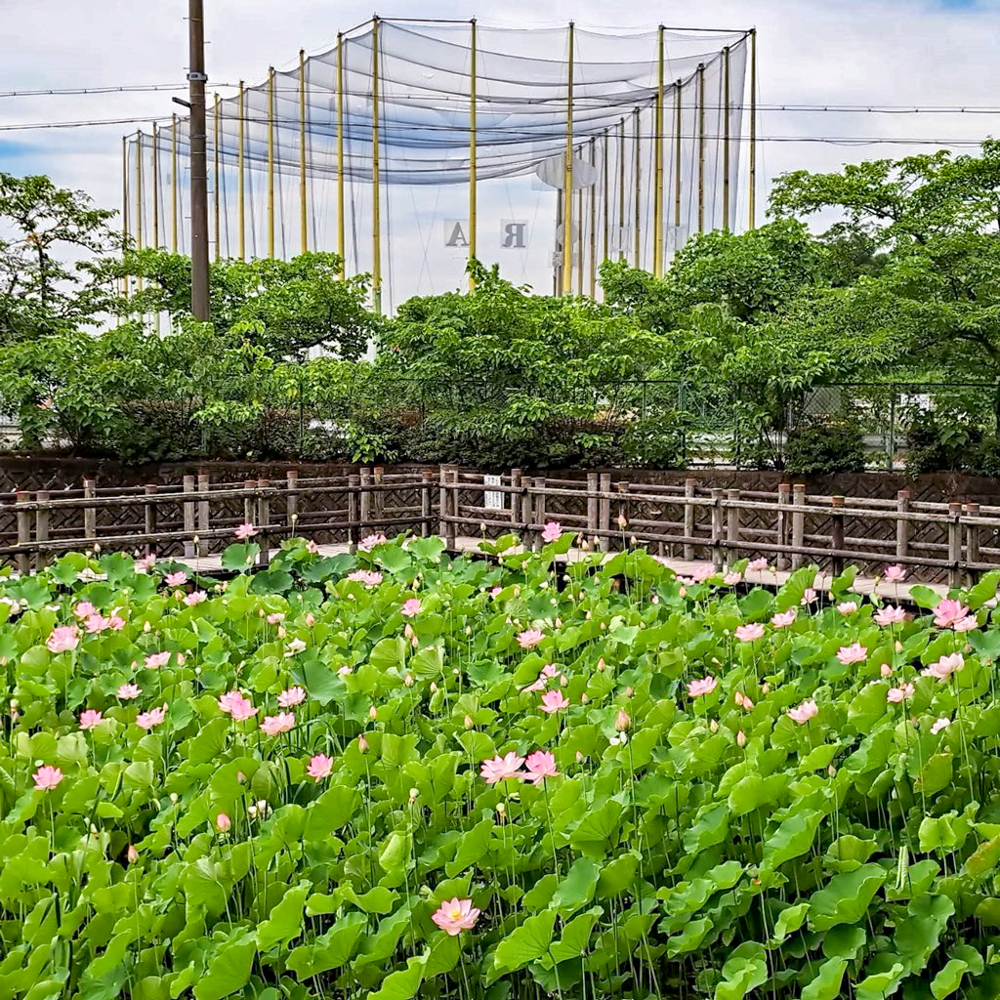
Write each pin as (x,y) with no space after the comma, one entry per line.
(953,542)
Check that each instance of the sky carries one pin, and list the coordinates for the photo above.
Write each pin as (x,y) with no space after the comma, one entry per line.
(826,52)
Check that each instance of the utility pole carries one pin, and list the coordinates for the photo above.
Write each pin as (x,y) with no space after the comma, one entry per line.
(199,161)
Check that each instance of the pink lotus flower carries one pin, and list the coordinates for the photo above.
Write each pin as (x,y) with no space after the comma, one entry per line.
(47,777)
(90,719)
(501,768)
(63,638)
(855,653)
(177,579)
(84,610)
(889,615)
(367,577)
(370,541)
(894,574)
(552,531)
(128,691)
(966,624)
(496,592)
(154,717)
(948,612)
(940,724)
(222,823)
(750,632)
(275,724)
(540,765)
(320,767)
(757,565)
(784,618)
(275,617)
(847,607)
(411,607)
(292,697)
(530,637)
(311,547)
(553,701)
(542,681)
(702,572)
(195,597)
(808,596)
(156,660)
(238,707)
(245,531)
(456,915)
(885,670)
(901,693)
(698,688)
(945,667)
(732,579)
(96,623)
(145,564)
(116,623)
(804,712)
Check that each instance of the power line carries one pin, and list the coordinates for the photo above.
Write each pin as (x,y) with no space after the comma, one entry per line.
(143,88)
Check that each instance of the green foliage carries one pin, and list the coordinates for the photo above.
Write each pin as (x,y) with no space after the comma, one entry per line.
(818,446)
(701,847)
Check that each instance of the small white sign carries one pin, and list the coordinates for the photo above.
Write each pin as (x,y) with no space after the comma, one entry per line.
(491,499)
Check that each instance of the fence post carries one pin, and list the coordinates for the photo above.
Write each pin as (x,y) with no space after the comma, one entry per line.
(954,544)
(717,528)
(515,498)
(971,543)
(732,527)
(837,533)
(798,523)
(188,517)
(203,516)
(690,511)
(451,478)
(902,525)
(292,499)
(624,511)
(89,513)
(604,509)
(366,501)
(41,530)
(149,517)
(23,532)
(593,504)
(353,533)
(378,497)
(443,501)
(426,481)
(538,518)
(781,529)
(264,520)
(249,504)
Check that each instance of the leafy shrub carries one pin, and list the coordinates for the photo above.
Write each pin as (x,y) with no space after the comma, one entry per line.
(819,446)
(277,788)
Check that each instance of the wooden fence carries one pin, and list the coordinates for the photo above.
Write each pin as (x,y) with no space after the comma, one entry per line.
(951,542)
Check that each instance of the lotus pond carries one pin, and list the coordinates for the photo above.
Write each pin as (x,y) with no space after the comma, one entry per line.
(394,774)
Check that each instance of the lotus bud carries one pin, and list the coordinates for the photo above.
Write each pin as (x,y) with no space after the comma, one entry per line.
(260,612)
(558,622)
(223,823)
(584,698)
(455,672)
(173,798)
(622,720)
(584,544)
(132,854)
(831,770)
(281,632)
(899,646)
(683,592)
(413,795)
(14,703)
(415,642)
(604,626)
(885,670)
(501,812)
(738,698)
(252,811)
(633,541)
(579,757)
(714,726)
(362,744)
(310,619)
(181,659)
(373,712)
(741,738)
(622,521)
(434,688)
(468,722)
(97,546)
(600,665)
(655,599)
(241,777)
(765,687)
(563,680)
(468,630)
(408,631)
(146,626)
(294,518)
(588,615)
(629,692)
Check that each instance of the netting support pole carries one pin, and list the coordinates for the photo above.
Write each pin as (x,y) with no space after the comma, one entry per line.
(579,250)
(270,162)
(472,152)
(341,247)
(605,191)
(637,166)
(621,190)
(753,129)
(125,282)
(701,147)
(138,201)
(216,182)
(593,220)
(725,139)
(240,162)
(678,159)
(568,176)
(658,191)
(303,217)
(376,195)
(156,187)
(174,221)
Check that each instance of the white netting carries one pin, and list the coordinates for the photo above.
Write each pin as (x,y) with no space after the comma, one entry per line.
(424,75)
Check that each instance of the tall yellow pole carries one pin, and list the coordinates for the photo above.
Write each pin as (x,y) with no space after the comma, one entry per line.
(376,194)
(240,163)
(568,177)
(341,244)
(579,250)
(270,162)
(658,191)
(678,159)
(593,220)
(125,234)
(605,199)
(138,200)
(472,154)
(725,139)
(174,179)
(303,215)
(156,188)
(701,148)
(753,128)
(621,190)
(638,177)
(216,179)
